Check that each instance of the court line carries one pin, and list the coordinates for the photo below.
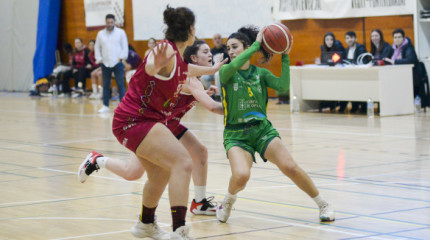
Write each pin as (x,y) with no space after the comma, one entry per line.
(72,218)
(26,203)
(312,227)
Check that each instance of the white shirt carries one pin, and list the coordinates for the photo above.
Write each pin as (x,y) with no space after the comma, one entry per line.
(351,52)
(111,46)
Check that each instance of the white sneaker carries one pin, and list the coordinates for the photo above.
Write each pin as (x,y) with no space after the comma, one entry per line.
(88,166)
(223,211)
(181,233)
(104,109)
(327,213)
(93,96)
(149,230)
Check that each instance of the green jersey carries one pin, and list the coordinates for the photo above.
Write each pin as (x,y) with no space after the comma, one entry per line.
(245,91)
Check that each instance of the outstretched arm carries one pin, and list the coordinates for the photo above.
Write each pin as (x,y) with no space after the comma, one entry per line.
(195,87)
(161,57)
(196,70)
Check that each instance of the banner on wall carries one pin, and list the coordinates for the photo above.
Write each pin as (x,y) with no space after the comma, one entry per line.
(96,11)
(221,16)
(329,9)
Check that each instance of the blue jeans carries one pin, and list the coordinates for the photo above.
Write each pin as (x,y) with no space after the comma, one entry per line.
(118,70)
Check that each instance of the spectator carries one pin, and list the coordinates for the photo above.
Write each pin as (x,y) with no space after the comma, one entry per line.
(220,47)
(404,53)
(354,49)
(95,72)
(330,45)
(78,71)
(133,61)
(110,49)
(379,48)
(151,45)
(351,54)
(60,69)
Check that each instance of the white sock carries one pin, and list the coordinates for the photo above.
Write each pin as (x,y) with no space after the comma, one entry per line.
(320,201)
(100,89)
(101,161)
(231,196)
(95,88)
(199,193)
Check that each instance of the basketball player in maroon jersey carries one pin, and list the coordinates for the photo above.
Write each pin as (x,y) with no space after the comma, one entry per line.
(140,124)
(199,53)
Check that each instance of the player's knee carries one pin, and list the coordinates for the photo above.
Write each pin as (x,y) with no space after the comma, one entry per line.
(203,154)
(241,178)
(133,176)
(290,169)
(184,165)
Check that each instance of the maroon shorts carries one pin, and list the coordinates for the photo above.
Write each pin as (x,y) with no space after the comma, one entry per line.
(132,134)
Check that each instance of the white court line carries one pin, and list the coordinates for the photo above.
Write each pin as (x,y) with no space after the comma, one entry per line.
(57,143)
(93,176)
(73,218)
(107,233)
(323,228)
(54,200)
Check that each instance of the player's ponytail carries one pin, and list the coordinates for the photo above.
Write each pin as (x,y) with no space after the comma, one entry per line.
(179,22)
(247,35)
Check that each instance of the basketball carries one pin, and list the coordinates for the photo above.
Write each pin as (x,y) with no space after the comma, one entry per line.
(277,38)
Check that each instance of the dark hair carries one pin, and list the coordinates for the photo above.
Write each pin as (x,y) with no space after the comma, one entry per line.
(192,50)
(110,16)
(325,47)
(68,48)
(351,34)
(247,36)
(373,48)
(130,47)
(92,40)
(179,22)
(399,30)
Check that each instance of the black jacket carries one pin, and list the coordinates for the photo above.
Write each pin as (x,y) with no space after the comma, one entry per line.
(386,52)
(359,49)
(409,56)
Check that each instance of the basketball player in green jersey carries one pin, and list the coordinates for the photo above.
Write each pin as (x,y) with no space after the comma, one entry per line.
(247,129)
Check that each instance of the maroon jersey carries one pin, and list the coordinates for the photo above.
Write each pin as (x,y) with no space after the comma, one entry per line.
(185,103)
(153,97)
(92,58)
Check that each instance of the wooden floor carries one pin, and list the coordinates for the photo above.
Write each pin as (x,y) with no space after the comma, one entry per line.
(376,172)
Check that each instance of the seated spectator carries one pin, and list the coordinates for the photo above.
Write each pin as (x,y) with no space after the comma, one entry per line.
(95,73)
(131,63)
(379,48)
(404,53)
(354,49)
(151,44)
(330,45)
(61,68)
(220,47)
(79,69)
(351,54)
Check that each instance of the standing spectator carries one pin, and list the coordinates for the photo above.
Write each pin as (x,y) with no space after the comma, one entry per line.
(351,54)
(96,72)
(379,48)
(111,48)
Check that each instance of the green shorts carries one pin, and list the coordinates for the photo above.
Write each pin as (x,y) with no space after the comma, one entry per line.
(252,137)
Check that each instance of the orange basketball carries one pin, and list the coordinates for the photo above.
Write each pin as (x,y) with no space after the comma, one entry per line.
(277,38)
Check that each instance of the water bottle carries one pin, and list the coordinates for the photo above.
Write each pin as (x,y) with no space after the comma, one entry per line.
(54,91)
(296,105)
(417,103)
(370,110)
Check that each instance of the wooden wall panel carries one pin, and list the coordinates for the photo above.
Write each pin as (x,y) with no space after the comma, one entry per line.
(308,33)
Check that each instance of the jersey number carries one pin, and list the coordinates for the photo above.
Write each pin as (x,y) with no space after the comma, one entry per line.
(250,92)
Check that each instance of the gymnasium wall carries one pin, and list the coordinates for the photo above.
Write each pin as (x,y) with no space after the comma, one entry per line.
(308,33)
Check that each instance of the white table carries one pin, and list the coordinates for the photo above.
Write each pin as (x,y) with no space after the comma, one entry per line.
(391,86)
